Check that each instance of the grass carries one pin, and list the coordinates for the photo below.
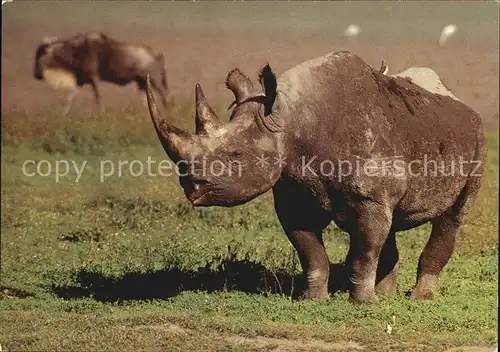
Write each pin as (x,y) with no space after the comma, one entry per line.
(128,263)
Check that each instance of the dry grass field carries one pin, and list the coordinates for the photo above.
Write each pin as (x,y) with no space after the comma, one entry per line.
(203,41)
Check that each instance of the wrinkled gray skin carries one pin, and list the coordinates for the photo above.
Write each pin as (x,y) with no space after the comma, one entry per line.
(87,58)
(338,108)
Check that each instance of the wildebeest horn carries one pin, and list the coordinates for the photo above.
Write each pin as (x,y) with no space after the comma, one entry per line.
(176,142)
(206,120)
(240,85)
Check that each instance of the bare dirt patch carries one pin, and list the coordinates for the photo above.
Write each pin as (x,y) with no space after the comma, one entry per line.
(267,343)
(471,349)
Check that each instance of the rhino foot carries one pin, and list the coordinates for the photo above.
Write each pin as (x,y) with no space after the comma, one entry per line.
(387,286)
(318,296)
(314,294)
(426,294)
(367,298)
(426,288)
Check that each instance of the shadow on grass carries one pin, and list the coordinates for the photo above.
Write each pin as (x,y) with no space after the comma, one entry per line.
(12,292)
(229,275)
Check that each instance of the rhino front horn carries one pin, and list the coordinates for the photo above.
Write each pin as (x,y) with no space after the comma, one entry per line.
(178,144)
(206,120)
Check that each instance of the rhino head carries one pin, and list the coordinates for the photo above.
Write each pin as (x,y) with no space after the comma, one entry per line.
(227,164)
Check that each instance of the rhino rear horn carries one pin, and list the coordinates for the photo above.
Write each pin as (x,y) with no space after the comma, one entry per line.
(240,85)
(206,120)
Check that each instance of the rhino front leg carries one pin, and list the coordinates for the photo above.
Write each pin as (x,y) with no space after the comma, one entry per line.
(367,238)
(303,224)
(314,261)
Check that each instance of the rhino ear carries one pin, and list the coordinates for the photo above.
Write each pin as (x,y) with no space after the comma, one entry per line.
(267,79)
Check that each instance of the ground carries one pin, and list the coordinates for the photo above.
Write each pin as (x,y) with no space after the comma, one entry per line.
(126,262)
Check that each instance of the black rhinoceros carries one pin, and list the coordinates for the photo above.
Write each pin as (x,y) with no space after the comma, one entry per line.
(337,140)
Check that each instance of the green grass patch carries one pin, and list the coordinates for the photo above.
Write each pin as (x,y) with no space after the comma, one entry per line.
(128,263)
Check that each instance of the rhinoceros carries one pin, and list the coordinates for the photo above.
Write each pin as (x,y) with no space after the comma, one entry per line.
(70,63)
(336,140)
(425,77)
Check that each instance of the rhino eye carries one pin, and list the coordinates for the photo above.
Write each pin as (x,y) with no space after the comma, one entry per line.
(199,181)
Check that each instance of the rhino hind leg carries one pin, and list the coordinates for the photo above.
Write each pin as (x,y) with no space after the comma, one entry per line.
(434,257)
(388,265)
(441,243)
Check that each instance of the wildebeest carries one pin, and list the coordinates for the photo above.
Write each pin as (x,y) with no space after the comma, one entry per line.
(86,58)
(336,140)
(425,77)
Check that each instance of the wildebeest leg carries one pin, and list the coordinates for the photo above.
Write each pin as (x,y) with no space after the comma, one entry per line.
(69,101)
(367,239)
(161,91)
(97,94)
(144,98)
(141,85)
(388,264)
(157,86)
(303,224)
